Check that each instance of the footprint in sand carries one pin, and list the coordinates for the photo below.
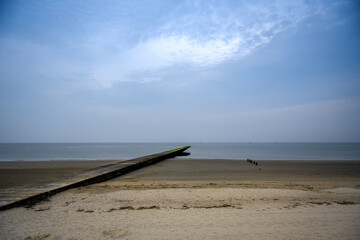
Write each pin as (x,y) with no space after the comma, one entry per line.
(116,233)
(40,237)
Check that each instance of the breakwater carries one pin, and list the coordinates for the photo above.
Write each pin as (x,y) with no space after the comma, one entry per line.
(97,175)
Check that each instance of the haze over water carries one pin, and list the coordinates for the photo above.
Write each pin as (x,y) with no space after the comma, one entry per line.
(117,151)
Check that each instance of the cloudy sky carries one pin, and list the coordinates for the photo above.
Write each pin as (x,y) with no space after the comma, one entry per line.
(179,71)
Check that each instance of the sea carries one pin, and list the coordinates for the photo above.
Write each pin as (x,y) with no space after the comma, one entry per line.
(124,151)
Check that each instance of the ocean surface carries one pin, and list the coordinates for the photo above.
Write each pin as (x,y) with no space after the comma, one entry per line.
(118,151)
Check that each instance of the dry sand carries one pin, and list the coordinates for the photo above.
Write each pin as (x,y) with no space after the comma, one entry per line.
(203,199)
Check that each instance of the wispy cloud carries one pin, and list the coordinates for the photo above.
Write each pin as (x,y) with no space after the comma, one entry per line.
(135,42)
(202,35)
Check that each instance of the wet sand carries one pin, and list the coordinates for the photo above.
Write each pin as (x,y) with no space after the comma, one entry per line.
(268,173)
(342,173)
(196,199)
(24,174)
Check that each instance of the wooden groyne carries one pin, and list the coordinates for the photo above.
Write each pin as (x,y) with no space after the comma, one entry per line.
(100,175)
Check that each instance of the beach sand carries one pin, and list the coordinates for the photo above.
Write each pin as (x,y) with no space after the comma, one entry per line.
(33,173)
(201,199)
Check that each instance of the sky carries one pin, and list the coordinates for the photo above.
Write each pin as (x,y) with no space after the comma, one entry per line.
(179,71)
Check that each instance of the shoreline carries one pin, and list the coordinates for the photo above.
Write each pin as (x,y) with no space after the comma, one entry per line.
(222,199)
(26,173)
(186,158)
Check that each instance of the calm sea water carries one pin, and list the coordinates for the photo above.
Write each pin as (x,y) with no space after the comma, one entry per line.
(107,151)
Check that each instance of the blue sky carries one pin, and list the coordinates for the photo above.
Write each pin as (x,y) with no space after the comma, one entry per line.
(179,71)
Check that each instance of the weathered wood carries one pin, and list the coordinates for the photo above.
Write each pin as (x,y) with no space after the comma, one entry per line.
(136,163)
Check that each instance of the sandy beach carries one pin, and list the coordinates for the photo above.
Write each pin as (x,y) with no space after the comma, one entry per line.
(186,198)
(33,173)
